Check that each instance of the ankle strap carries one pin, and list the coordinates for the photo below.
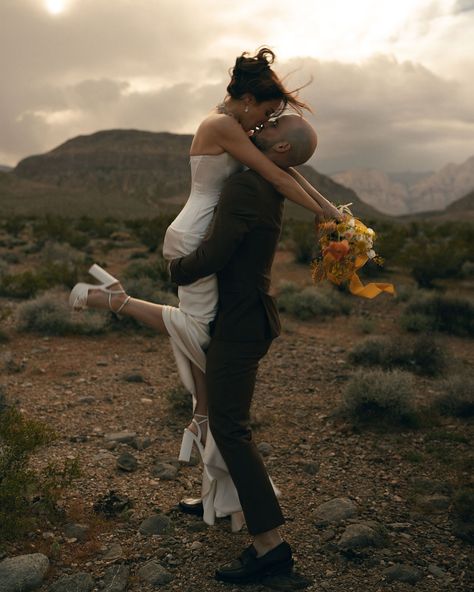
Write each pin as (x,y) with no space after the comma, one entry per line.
(202,420)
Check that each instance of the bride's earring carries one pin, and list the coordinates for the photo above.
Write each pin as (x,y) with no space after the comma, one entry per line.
(246,109)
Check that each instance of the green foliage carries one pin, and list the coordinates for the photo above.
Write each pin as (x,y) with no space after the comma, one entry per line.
(422,355)
(151,232)
(447,314)
(97,227)
(28,283)
(457,396)
(155,269)
(303,240)
(50,315)
(26,496)
(60,229)
(14,225)
(311,302)
(379,398)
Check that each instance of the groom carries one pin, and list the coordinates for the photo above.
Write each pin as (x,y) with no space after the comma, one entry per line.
(240,248)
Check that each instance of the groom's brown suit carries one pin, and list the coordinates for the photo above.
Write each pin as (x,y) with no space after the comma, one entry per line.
(240,248)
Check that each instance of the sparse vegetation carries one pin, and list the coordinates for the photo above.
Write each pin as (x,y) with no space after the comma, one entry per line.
(457,396)
(26,496)
(303,240)
(378,398)
(312,302)
(50,315)
(447,314)
(422,355)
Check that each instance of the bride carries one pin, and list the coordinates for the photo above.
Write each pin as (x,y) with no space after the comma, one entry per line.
(221,146)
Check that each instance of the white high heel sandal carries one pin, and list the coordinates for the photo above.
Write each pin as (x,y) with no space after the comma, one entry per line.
(190,438)
(78,296)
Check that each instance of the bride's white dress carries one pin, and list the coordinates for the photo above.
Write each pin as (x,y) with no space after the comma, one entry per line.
(188,325)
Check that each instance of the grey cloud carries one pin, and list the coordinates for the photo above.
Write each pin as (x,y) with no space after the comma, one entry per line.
(463,6)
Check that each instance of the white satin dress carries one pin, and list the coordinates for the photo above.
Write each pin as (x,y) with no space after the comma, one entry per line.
(188,325)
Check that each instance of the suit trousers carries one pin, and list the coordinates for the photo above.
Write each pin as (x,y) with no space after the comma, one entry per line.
(231,371)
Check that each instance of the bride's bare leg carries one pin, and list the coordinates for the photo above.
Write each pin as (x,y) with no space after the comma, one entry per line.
(201,400)
(148,313)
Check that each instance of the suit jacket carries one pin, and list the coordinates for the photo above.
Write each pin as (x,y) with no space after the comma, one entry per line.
(240,248)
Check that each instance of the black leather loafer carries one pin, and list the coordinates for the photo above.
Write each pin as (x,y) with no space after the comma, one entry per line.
(191,505)
(250,568)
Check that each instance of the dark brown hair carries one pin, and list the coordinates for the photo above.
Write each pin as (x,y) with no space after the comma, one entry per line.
(253,75)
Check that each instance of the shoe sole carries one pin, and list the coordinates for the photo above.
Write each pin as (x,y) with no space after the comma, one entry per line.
(283,569)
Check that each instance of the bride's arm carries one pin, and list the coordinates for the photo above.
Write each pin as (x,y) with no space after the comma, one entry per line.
(230,136)
(329,209)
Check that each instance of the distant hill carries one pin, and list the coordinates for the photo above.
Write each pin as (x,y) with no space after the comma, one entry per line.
(5,168)
(460,210)
(405,193)
(124,173)
(465,204)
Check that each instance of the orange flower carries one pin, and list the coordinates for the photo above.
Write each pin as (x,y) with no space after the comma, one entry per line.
(337,249)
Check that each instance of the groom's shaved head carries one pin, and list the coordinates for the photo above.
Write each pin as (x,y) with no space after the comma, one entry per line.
(288,141)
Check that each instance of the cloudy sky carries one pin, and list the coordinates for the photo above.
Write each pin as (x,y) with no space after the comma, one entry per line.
(393,82)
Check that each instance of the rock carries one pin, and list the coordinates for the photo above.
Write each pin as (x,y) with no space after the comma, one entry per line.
(264,448)
(140,443)
(113,553)
(397,526)
(133,378)
(312,468)
(195,546)
(335,510)
(437,572)
(155,574)
(79,582)
(87,399)
(76,531)
(358,536)
(127,462)
(402,573)
(112,504)
(116,578)
(23,572)
(434,503)
(125,437)
(165,471)
(157,524)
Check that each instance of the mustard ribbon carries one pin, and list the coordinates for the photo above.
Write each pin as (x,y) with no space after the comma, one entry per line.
(369,290)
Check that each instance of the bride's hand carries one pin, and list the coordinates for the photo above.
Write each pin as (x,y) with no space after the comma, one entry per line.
(330,212)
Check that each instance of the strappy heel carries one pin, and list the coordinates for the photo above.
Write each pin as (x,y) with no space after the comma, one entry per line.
(80,292)
(190,438)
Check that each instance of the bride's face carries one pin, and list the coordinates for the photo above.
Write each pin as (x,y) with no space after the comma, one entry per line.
(258,113)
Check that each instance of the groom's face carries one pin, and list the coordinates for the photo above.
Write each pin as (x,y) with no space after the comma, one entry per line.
(271,132)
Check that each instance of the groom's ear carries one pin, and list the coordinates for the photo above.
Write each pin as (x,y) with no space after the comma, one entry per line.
(282,146)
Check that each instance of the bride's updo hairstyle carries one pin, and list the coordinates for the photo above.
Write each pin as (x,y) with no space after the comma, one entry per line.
(253,75)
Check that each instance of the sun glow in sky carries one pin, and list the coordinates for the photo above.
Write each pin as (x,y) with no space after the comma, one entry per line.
(55,6)
(381,69)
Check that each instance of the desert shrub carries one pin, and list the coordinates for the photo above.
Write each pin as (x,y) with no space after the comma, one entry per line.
(10,257)
(155,270)
(15,225)
(26,496)
(151,232)
(374,397)
(304,241)
(311,302)
(467,269)
(97,227)
(457,396)
(50,315)
(422,355)
(447,314)
(57,228)
(61,253)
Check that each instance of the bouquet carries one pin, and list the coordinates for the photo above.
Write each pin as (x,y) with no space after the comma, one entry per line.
(345,247)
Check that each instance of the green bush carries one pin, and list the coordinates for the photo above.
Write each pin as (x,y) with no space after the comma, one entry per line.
(376,397)
(457,396)
(304,241)
(422,355)
(14,225)
(151,232)
(311,302)
(26,496)
(155,270)
(447,314)
(50,315)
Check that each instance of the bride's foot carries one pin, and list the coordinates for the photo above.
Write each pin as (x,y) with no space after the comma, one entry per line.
(196,434)
(199,424)
(109,294)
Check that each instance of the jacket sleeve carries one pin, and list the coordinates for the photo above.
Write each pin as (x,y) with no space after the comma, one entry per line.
(236,215)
